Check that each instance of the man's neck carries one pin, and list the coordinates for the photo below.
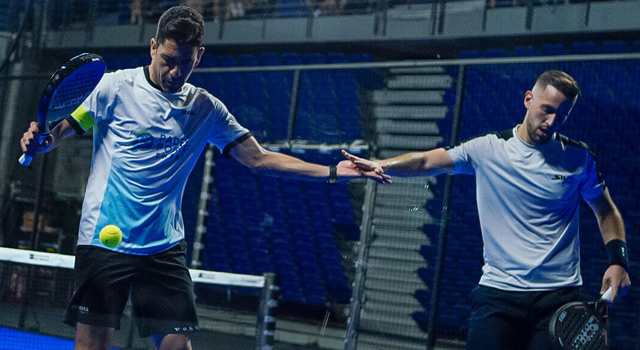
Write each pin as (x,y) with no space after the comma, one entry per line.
(521,129)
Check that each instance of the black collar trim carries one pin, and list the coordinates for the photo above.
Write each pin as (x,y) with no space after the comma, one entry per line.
(146,75)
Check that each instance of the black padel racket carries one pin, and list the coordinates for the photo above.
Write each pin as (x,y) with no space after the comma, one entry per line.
(67,88)
(582,325)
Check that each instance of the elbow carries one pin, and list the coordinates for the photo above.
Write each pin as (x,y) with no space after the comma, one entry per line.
(258,167)
(617,215)
(424,164)
(610,212)
(612,218)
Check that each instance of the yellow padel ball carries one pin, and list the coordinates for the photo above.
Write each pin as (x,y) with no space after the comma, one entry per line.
(110,235)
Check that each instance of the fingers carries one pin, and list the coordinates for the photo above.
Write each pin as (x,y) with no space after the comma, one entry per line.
(617,278)
(29,141)
(625,289)
(349,156)
(23,143)
(606,283)
(614,292)
(364,167)
(364,164)
(380,178)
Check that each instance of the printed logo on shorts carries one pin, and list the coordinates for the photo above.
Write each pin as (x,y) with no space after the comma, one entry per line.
(80,308)
(186,329)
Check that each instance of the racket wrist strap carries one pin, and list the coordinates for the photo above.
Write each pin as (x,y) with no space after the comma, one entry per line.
(617,253)
(333,174)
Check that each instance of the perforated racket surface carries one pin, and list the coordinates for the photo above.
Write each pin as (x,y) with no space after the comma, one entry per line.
(67,88)
(581,325)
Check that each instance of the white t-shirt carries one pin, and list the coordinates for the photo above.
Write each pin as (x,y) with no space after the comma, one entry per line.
(528,203)
(145,144)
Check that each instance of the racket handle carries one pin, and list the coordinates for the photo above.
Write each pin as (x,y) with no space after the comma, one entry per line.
(25,159)
(607,295)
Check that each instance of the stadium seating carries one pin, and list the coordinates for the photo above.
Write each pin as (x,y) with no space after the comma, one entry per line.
(578,48)
(584,47)
(268,227)
(554,49)
(615,47)
(496,53)
(328,106)
(525,51)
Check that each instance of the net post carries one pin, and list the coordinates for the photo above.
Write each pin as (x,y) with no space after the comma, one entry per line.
(266,324)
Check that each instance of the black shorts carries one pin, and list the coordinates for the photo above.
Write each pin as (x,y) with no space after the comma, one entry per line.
(160,287)
(506,320)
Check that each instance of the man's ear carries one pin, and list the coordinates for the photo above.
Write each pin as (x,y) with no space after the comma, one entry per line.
(528,97)
(199,56)
(153,47)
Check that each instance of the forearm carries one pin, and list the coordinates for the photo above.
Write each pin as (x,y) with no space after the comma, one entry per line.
(428,163)
(611,226)
(60,132)
(612,229)
(250,154)
(282,165)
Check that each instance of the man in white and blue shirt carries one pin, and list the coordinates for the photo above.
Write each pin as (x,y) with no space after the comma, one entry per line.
(529,183)
(149,128)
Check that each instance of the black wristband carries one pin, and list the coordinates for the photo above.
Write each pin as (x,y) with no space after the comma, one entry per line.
(333,174)
(617,253)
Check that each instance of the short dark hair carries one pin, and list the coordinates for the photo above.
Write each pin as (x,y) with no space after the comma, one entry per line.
(182,24)
(561,81)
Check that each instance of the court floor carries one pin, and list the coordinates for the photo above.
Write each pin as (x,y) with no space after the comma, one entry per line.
(12,339)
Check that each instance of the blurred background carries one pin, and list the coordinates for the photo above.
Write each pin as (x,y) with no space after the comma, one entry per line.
(309,78)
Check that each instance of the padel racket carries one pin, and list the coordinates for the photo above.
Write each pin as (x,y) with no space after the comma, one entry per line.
(67,88)
(582,325)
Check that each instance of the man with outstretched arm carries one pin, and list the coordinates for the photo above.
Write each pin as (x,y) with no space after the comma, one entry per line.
(149,128)
(529,182)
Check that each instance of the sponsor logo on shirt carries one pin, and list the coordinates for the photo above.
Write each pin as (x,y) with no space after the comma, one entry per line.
(164,145)
(169,146)
(143,141)
(561,177)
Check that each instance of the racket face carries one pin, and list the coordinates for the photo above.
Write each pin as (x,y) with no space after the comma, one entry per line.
(68,87)
(577,326)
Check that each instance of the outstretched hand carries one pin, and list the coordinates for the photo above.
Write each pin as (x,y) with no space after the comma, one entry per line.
(359,167)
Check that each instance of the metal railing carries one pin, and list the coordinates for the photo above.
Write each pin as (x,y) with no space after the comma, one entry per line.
(85,14)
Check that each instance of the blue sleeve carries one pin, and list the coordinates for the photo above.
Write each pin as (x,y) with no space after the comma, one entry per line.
(593,184)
